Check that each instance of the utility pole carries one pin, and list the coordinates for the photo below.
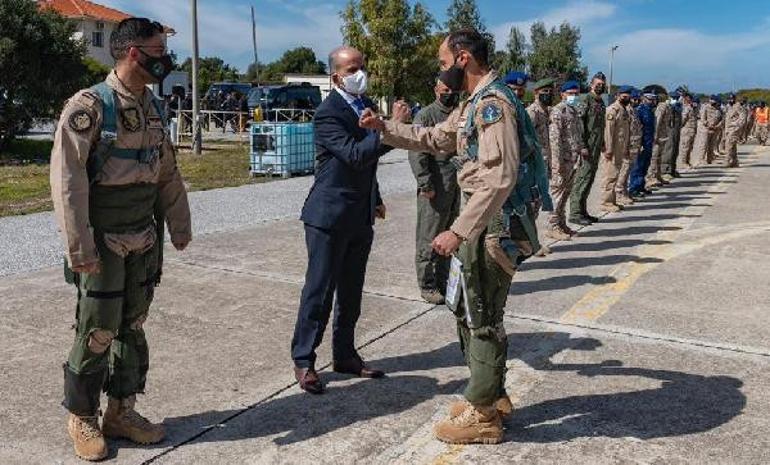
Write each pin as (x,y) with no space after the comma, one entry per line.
(254,41)
(196,133)
(612,62)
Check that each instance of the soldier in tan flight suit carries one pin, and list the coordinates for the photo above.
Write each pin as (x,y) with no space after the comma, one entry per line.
(622,196)
(114,182)
(616,145)
(539,113)
(662,133)
(709,122)
(688,131)
(567,148)
(735,121)
(499,160)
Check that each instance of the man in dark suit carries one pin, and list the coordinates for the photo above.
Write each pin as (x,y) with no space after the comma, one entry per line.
(338,214)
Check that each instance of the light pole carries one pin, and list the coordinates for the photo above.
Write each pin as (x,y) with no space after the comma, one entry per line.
(196,133)
(612,60)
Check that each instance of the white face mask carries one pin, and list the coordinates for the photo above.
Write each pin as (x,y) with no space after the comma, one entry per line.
(673,101)
(571,99)
(356,83)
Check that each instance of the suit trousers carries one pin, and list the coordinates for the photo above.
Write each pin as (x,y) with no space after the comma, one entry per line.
(336,268)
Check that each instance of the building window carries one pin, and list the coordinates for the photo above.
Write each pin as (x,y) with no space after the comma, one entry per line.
(97,39)
(99,26)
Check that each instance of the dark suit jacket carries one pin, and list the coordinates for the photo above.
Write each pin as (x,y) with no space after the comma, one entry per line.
(345,192)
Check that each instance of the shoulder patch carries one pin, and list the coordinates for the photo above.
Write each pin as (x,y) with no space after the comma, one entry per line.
(87,98)
(610,115)
(491,112)
(80,121)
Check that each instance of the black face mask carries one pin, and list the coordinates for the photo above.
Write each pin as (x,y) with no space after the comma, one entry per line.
(449,99)
(158,67)
(599,89)
(624,101)
(454,77)
(635,103)
(545,99)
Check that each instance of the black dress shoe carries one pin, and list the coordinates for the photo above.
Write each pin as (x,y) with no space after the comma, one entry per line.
(581,220)
(308,380)
(356,366)
(648,192)
(637,195)
(592,218)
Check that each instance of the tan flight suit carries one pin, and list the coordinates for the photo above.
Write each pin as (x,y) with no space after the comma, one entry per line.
(735,121)
(616,143)
(540,120)
(709,121)
(566,136)
(634,148)
(486,183)
(663,124)
(687,133)
(111,217)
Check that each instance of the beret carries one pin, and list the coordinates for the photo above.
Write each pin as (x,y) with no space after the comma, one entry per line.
(516,78)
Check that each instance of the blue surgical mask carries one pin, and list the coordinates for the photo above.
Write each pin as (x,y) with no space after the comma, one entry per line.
(572,99)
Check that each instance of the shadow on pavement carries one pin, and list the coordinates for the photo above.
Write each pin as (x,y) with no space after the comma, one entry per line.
(578,246)
(584,262)
(629,231)
(683,403)
(635,219)
(557,283)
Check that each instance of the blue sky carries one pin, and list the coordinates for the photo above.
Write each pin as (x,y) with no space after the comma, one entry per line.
(709,45)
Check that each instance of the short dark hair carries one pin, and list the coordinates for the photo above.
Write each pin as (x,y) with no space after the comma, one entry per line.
(473,42)
(129,31)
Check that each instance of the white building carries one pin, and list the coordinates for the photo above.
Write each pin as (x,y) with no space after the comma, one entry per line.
(94,23)
(323,81)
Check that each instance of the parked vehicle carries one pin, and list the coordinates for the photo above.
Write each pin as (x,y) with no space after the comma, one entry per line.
(290,102)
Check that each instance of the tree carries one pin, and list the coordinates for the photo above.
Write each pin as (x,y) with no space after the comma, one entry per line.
(514,58)
(210,70)
(463,14)
(399,44)
(556,53)
(300,60)
(40,65)
(95,71)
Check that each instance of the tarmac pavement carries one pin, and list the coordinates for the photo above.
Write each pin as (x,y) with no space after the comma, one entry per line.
(642,341)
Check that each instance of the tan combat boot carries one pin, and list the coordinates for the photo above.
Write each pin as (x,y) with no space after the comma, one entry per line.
(503,405)
(475,425)
(122,421)
(87,437)
(557,234)
(625,201)
(610,208)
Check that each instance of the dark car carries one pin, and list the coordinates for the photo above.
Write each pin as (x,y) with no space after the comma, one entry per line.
(287,102)
(242,88)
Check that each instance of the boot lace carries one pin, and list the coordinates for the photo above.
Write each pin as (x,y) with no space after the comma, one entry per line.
(89,427)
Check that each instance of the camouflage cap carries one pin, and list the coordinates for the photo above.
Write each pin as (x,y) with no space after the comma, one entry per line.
(547,82)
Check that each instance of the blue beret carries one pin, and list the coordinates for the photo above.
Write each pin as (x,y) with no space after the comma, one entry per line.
(516,78)
(625,89)
(570,85)
(636,93)
(674,93)
(716,98)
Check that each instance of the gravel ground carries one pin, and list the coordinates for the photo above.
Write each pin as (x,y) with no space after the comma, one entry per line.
(31,242)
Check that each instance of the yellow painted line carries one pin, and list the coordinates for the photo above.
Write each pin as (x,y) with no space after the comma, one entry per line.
(600,300)
(450,455)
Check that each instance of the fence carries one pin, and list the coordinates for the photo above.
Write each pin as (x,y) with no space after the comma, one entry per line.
(219,124)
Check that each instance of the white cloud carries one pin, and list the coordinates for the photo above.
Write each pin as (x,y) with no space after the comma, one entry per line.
(224,28)
(712,62)
(576,13)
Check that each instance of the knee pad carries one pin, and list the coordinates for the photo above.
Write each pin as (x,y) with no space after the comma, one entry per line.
(100,340)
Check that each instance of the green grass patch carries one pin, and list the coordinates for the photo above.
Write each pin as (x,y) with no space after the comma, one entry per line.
(24,187)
